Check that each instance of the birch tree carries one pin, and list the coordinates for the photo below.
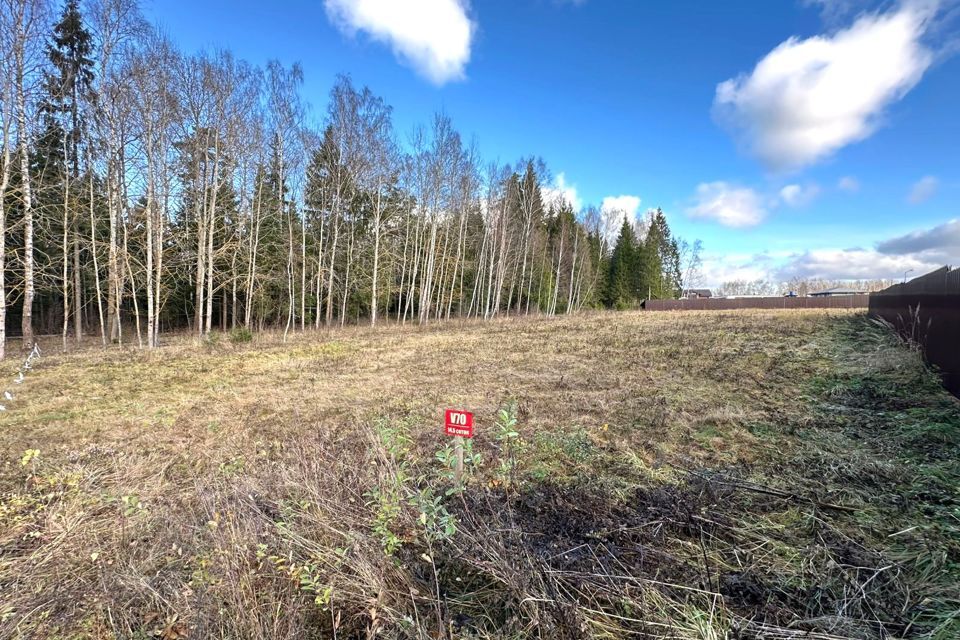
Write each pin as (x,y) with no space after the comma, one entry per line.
(25,23)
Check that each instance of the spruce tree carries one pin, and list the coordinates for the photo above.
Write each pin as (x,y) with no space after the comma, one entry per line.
(68,85)
(652,268)
(662,266)
(621,288)
(642,269)
(70,80)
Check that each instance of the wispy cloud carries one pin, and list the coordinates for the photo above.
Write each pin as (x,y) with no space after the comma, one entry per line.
(849,184)
(834,10)
(809,98)
(560,191)
(719,268)
(923,189)
(433,36)
(851,264)
(795,195)
(728,204)
(918,251)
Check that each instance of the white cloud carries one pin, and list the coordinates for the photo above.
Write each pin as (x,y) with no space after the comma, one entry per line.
(612,211)
(791,194)
(819,264)
(730,205)
(718,269)
(625,204)
(808,98)
(848,184)
(852,264)
(433,36)
(923,189)
(560,190)
(794,195)
(919,252)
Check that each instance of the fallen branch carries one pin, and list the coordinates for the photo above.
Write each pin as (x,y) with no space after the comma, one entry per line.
(748,486)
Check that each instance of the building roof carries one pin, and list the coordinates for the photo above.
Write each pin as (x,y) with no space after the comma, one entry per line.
(838,291)
(703,293)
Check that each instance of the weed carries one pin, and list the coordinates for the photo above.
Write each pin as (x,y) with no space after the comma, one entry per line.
(232,467)
(437,522)
(509,441)
(211,340)
(29,456)
(386,505)
(241,335)
(472,461)
(131,505)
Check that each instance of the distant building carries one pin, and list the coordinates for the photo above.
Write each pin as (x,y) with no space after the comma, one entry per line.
(697,293)
(837,291)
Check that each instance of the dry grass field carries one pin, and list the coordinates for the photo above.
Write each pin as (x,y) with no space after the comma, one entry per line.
(775,474)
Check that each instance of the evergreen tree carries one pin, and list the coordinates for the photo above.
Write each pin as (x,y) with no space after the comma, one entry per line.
(70,80)
(662,265)
(651,267)
(644,265)
(621,279)
(600,259)
(530,190)
(55,163)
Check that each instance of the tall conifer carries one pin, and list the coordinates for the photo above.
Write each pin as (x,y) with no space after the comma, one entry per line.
(621,290)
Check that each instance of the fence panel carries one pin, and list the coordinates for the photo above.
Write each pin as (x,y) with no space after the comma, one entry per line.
(778,302)
(927,311)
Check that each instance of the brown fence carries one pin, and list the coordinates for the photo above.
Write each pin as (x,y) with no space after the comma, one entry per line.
(927,310)
(779,302)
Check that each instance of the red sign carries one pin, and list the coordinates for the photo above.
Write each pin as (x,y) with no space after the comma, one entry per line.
(459,423)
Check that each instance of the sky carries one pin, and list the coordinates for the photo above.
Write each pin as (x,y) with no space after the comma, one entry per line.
(796,138)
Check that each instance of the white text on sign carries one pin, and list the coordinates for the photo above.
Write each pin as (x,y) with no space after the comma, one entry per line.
(459,423)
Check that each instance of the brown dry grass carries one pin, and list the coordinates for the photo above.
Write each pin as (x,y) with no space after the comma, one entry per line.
(581,371)
(221,490)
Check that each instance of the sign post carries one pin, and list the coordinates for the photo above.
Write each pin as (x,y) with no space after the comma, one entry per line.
(458,424)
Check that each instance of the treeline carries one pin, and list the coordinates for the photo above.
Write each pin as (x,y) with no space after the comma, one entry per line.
(145,190)
(798,286)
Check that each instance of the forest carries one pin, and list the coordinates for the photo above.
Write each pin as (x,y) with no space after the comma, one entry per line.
(145,190)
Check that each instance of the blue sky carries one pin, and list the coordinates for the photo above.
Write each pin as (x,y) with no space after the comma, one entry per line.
(812,137)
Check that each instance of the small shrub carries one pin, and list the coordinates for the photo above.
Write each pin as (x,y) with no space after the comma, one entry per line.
(210,341)
(447,456)
(241,335)
(511,445)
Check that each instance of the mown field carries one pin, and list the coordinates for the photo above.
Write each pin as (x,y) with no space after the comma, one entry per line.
(774,474)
